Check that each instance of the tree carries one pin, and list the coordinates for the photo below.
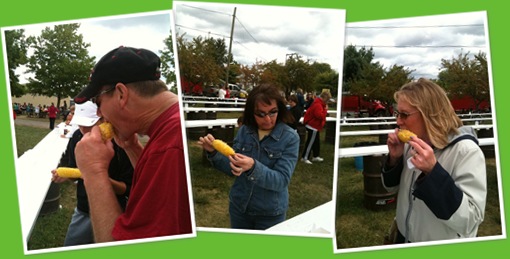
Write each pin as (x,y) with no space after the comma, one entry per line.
(324,78)
(298,74)
(16,47)
(463,76)
(168,63)
(355,61)
(368,81)
(395,77)
(251,76)
(327,80)
(200,60)
(274,74)
(60,62)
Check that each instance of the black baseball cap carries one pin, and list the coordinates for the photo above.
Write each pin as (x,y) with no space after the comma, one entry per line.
(121,65)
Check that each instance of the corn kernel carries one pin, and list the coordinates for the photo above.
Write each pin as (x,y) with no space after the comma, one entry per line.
(405,135)
(223,147)
(106,131)
(68,172)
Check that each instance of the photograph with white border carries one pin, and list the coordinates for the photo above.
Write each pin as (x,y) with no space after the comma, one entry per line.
(46,207)
(445,199)
(291,49)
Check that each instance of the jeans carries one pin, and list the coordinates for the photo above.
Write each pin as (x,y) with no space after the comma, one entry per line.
(80,229)
(241,220)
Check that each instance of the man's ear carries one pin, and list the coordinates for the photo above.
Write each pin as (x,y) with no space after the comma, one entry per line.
(123,93)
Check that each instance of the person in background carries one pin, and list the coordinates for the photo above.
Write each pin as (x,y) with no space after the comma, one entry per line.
(126,86)
(296,111)
(222,92)
(309,100)
(314,121)
(120,172)
(66,128)
(440,173)
(52,114)
(37,110)
(301,98)
(227,92)
(240,121)
(267,151)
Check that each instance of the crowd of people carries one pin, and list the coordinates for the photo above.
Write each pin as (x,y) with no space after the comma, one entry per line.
(38,111)
(42,111)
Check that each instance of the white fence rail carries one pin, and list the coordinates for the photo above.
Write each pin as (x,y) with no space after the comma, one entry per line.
(383,149)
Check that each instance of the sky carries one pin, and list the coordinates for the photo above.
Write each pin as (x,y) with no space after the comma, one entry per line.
(142,30)
(419,43)
(267,33)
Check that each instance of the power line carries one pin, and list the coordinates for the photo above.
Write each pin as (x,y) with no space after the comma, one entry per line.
(413,26)
(208,32)
(419,46)
(207,10)
(247,30)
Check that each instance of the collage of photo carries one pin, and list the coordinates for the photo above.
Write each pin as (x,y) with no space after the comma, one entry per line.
(257,120)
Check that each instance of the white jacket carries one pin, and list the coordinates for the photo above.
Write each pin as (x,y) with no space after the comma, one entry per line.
(448,203)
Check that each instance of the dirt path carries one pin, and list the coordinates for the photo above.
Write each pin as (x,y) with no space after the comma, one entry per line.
(24,121)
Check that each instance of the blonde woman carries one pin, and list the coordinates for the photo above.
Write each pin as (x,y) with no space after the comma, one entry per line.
(439,174)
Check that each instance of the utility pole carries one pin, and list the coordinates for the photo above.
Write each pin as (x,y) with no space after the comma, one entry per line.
(230,45)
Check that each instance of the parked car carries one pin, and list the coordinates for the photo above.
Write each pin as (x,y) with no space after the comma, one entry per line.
(236,91)
(211,91)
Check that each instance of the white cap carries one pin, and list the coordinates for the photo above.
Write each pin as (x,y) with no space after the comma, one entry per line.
(85,114)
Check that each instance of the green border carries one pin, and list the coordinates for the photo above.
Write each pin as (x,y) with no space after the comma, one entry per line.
(227,245)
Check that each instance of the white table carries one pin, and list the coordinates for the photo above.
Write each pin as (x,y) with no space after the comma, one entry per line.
(318,222)
(33,177)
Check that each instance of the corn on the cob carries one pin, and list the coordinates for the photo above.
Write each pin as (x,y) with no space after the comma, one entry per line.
(106,131)
(68,172)
(405,135)
(223,147)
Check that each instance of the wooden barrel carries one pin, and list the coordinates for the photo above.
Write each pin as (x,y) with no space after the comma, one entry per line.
(52,200)
(210,115)
(376,197)
(330,132)
(196,132)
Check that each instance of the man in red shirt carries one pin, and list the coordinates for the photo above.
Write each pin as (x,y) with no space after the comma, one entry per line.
(125,84)
(52,114)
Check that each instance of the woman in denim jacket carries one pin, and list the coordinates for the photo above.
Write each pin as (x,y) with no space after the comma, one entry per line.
(266,155)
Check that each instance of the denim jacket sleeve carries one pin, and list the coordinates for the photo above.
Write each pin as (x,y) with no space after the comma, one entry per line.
(276,176)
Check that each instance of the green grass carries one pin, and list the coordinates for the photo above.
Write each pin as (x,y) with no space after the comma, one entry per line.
(357,226)
(27,137)
(50,229)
